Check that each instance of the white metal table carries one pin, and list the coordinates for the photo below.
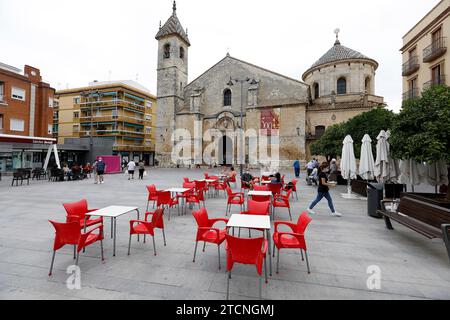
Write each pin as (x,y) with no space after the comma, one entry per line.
(259,193)
(114,212)
(253,222)
(176,191)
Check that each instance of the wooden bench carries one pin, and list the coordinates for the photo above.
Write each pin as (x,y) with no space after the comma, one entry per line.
(424,218)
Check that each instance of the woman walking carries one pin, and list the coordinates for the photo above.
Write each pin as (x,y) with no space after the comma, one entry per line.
(141,166)
(324,191)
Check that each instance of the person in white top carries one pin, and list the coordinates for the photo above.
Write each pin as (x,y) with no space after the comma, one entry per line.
(131,167)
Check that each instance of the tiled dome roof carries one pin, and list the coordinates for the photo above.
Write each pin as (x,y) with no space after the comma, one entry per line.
(173,26)
(339,53)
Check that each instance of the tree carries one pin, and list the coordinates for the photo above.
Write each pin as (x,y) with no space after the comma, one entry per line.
(422,130)
(371,123)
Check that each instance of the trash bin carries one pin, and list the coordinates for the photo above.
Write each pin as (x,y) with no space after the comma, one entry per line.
(374,198)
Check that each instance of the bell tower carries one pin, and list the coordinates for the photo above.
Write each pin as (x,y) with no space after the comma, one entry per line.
(173,46)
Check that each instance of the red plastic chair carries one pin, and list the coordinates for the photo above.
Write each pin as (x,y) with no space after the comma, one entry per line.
(292,240)
(186,180)
(152,195)
(207,233)
(275,188)
(196,197)
(80,209)
(293,188)
(147,228)
(157,223)
(257,208)
(246,251)
(282,201)
(260,188)
(165,200)
(221,186)
(201,186)
(70,234)
(206,174)
(237,198)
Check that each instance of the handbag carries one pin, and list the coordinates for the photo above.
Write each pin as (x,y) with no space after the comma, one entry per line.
(145,173)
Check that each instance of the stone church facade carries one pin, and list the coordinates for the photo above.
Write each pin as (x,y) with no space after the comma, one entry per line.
(233,94)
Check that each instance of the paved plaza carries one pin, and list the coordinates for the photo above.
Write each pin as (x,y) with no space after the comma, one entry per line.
(340,250)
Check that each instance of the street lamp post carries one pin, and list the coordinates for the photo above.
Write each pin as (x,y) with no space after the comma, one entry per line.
(242,82)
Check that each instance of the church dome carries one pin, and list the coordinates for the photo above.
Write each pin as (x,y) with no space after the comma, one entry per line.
(339,53)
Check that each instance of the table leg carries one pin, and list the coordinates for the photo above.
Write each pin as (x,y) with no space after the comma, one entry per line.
(112,228)
(115,233)
(270,251)
(137,210)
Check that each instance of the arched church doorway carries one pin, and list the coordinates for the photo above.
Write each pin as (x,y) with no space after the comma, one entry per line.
(225,151)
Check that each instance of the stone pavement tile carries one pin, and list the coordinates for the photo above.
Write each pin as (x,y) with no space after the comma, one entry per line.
(340,250)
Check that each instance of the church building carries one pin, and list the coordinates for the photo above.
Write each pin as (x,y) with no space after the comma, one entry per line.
(235,94)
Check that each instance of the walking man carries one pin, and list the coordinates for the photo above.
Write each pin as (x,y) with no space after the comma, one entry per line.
(141,169)
(324,191)
(101,168)
(297,168)
(131,168)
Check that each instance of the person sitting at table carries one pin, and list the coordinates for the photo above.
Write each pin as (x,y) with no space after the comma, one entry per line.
(232,174)
(247,179)
(67,171)
(276,178)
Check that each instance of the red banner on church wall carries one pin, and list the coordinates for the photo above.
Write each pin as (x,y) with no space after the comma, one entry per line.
(270,122)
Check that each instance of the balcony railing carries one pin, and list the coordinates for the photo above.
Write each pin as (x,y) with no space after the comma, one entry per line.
(113,132)
(112,103)
(435,82)
(411,94)
(411,66)
(118,118)
(435,50)
(132,148)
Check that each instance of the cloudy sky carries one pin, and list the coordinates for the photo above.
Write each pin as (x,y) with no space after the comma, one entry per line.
(75,42)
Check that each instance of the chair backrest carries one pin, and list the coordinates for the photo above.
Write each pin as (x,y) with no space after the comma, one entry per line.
(265,178)
(79,208)
(245,251)
(200,185)
(66,233)
(164,197)
(186,180)
(261,198)
(157,219)
(201,216)
(275,188)
(294,183)
(258,208)
(151,190)
(229,191)
(303,221)
(261,188)
(206,175)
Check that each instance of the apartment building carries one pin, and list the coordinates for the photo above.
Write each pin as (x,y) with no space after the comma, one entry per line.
(26,117)
(426,60)
(120,111)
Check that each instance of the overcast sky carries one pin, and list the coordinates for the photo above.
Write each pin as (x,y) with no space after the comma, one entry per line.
(76,42)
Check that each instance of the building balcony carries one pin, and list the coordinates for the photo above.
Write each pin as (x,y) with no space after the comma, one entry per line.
(435,82)
(410,66)
(411,94)
(113,133)
(112,104)
(119,118)
(135,148)
(435,50)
